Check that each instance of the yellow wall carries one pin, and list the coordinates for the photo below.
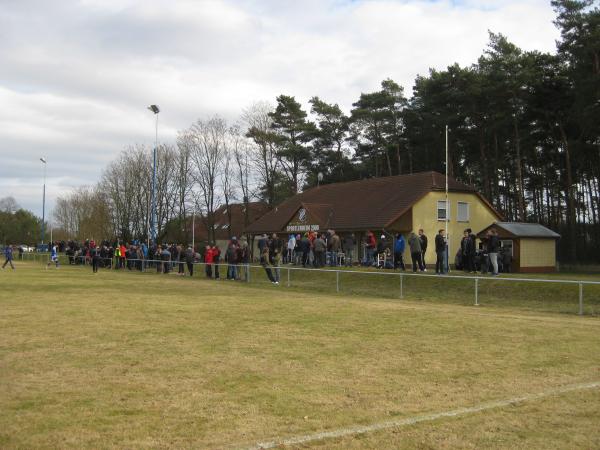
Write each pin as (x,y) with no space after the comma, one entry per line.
(424,214)
(538,252)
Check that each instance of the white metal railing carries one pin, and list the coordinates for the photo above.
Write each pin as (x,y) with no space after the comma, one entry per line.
(152,263)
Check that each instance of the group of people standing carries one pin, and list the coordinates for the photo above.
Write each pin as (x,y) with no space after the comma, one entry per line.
(490,248)
(314,249)
(237,257)
(310,249)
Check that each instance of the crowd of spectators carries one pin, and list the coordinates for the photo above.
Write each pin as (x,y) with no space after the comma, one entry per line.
(310,249)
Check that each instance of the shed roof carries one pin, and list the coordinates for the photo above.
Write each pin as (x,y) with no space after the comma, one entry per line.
(525,230)
(373,203)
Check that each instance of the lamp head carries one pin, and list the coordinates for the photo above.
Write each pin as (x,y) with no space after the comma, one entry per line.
(154,108)
(43,160)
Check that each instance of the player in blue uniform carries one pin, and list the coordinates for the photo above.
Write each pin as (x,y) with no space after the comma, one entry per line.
(53,256)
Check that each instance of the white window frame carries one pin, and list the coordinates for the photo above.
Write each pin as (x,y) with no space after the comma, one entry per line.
(461,219)
(447,204)
(512,246)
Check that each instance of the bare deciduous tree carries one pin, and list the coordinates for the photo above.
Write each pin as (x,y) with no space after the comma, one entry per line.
(84,214)
(264,155)
(9,205)
(206,141)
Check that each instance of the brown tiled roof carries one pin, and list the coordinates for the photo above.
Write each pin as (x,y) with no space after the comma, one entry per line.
(373,203)
(256,210)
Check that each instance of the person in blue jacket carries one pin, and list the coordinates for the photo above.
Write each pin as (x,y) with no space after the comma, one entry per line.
(399,247)
(8,255)
(53,256)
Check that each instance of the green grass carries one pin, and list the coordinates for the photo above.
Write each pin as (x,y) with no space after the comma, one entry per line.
(456,289)
(131,360)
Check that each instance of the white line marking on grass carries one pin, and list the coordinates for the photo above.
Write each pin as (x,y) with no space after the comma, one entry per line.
(342,432)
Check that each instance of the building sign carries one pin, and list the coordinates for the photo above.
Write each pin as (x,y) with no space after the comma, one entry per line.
(299,228)
(301,223)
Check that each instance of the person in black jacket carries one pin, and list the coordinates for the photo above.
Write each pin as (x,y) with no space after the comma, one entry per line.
(493,245)
(305,247)
(467,246)
(189,259)
(473,248)
(440,251)
(95,259)
(423,240)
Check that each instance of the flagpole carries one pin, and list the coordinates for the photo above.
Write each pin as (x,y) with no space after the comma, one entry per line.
(194,228)
(447,209)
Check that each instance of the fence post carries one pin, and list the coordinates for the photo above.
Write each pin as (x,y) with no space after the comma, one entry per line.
(288,280)
(401,286)
(476,291)
(337,281)
(580,299)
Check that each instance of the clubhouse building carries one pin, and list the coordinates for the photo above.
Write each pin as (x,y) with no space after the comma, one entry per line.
(384,206)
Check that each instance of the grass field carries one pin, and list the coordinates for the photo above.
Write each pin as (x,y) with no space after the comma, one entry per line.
(134,360)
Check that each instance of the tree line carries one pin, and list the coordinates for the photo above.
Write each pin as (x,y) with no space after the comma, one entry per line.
(523,128)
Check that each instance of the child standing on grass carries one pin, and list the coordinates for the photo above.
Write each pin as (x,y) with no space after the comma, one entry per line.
(8,255)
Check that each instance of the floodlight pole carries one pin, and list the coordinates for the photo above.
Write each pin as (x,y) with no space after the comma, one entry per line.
(155,109)
(44,161)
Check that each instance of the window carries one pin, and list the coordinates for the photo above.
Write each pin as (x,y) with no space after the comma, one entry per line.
(462,213)
(441,210)
(507,246)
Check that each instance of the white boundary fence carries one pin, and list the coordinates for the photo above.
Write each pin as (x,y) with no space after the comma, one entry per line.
(149,264)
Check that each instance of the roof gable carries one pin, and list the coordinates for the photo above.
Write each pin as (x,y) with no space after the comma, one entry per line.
(358,205)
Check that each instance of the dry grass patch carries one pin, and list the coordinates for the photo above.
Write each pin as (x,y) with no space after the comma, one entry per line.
(137,360)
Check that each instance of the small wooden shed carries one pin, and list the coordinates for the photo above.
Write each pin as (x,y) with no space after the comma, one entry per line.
(532,246)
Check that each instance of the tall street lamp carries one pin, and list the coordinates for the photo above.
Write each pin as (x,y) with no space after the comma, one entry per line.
(44,161)
(155,109)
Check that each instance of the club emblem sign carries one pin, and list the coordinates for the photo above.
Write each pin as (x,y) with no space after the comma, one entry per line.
(302,215)
(299,223)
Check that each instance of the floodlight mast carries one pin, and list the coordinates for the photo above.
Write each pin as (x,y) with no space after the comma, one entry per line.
(155,109)
(45,162)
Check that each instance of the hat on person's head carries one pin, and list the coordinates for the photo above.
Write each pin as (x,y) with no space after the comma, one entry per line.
(234,238)
(383,236)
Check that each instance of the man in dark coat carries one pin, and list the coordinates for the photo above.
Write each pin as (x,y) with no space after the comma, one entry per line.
(423,240)
(415,252)
(440,252)
(320,247)
(189,259)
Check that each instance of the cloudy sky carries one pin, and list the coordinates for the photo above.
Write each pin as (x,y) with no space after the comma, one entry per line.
(76,76)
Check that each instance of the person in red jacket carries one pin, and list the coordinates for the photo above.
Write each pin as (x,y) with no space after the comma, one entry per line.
(216,255)
(123,251)
(208,260)
(370,247)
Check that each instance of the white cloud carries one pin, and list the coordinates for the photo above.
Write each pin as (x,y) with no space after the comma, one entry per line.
(77,75)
